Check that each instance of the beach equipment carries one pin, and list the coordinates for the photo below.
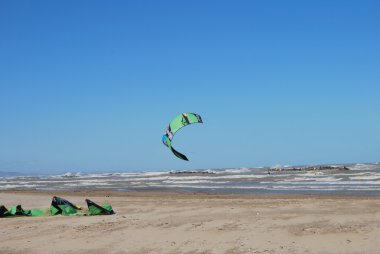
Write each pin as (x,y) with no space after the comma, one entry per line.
(17,210)
(58,206)
(63,206)
(3,211)
(95,209)
(175,125)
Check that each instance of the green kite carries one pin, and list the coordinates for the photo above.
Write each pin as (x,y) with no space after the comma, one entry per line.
(58,206)
(175,125)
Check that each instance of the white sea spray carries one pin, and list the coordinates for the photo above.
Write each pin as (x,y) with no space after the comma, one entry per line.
(361,177)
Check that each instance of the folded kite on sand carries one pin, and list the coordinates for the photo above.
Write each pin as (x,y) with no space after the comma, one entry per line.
(58,206)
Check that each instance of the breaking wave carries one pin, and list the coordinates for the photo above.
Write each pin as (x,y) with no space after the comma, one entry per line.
(339,179)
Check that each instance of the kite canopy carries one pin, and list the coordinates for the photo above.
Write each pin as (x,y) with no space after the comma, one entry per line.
(17,210)
(175,125)
(95,209)
(3,211)
(58,206)
(63,206)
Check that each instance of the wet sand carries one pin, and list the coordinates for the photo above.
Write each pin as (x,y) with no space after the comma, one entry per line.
(164,222)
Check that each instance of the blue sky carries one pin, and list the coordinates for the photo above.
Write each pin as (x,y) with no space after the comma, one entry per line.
(91,85)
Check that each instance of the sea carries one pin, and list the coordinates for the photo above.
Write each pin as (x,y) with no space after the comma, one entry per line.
(354,179)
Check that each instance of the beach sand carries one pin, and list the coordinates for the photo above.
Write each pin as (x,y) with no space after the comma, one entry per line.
(162,222)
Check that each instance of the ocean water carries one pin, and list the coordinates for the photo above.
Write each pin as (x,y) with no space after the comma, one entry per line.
(360,179)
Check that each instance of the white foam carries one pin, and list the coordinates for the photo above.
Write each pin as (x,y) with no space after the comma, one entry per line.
(326,183)
(154,173)
(204,186)
(71,174)
(315,173)
(362,166)
(13,186)
(86,184)
(312,179)
(192,182)
(365,177)
(325,188)
(161,178)
(236,170)
(277,166)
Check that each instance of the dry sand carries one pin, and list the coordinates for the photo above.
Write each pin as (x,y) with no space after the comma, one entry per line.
(148,222)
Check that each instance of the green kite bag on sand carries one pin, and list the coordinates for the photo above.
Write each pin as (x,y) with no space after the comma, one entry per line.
(4,211)
(95,209)
(63,207)
(19,211)
(58,206)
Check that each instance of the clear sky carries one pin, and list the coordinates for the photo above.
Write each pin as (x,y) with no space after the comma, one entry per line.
(91,85)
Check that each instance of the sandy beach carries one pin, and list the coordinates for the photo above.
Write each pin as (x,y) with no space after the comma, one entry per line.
(162,222)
